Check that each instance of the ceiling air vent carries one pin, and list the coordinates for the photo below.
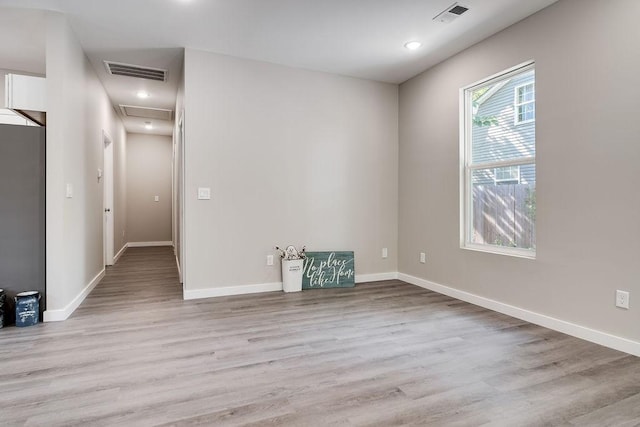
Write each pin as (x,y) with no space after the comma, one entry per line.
(451,13)
(146,113)
(128,70)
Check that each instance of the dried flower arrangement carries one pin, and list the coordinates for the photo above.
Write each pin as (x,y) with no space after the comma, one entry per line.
(290,252)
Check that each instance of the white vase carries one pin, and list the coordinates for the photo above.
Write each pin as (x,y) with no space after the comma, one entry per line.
(292,275)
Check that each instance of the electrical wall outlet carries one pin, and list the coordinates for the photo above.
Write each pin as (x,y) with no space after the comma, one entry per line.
(423,257)
(385,253)
(622,299)
(269,259)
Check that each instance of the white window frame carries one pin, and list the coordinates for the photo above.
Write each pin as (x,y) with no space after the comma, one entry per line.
(467,168)
(500,180)
(517,104)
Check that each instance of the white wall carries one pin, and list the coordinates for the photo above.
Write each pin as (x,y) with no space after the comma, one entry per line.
(587,161)
(148,175)
(291,157)
(78,111)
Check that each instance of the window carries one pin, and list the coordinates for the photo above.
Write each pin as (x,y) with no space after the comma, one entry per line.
(525,103)
(498,170)
(507,175)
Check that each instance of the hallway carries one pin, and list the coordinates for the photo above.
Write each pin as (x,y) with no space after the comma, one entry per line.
(141,282)
(382,353)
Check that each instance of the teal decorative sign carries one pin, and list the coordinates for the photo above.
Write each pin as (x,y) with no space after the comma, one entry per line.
(328,270)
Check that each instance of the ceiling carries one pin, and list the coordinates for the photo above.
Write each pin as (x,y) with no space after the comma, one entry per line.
(359,38)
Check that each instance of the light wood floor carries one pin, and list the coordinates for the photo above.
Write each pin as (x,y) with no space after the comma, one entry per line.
(384,353)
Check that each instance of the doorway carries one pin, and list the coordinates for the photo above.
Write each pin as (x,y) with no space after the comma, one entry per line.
(22,210)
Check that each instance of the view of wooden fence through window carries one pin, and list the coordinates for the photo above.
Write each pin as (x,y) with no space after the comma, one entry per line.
(504,215)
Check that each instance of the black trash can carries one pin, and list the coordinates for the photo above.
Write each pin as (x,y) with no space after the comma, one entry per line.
(27,308)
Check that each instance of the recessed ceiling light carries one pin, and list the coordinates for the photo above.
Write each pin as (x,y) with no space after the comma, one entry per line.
(148,126)
(413,45)
(142,94)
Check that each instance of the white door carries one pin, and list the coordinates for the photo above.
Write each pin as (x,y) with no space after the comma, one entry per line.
(108,199)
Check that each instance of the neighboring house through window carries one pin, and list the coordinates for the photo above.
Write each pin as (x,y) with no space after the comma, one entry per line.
(498,170)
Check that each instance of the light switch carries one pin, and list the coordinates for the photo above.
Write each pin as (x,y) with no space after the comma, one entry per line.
(156,198)
(204,193)
(69,192)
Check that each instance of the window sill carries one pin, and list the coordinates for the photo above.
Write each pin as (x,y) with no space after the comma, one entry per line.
(501,250)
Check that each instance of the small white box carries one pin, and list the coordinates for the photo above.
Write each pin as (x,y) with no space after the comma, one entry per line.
(204,193)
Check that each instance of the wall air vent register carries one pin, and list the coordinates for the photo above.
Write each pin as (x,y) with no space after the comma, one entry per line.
(146,112)
(449,14)
(129,70)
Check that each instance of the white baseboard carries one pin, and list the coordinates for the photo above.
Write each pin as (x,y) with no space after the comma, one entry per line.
(145,244)
(270,287)
(231,290)
(178,265)
(63,314)
(588,334)
(376,277)
(120,252)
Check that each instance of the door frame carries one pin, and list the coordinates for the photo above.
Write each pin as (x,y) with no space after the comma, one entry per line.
(107,200)
(181,201)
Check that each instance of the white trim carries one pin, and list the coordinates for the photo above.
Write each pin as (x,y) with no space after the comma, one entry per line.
(582,332)
(231,290)
(145,244)
(463,130)
(120,252)
(181,202)
(107,178)
(376,277)
(271,287)
(520,161)
(177,264)
(507,73)
(500,250)
(63,314)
